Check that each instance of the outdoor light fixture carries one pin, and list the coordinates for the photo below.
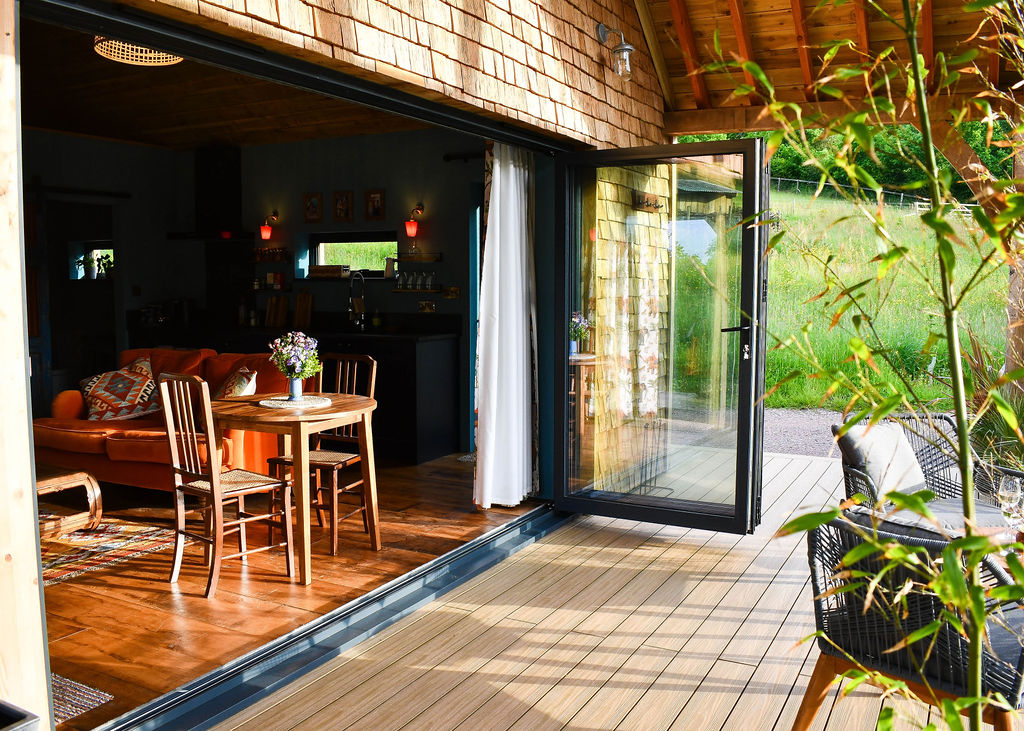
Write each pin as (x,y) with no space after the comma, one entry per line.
(620,54)
(131,53)
(266,229)
(412,226)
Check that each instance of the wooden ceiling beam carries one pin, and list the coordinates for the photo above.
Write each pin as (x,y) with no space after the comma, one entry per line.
(654,46)
(803,50)
(746,48)
(860,16)
(688,45)
(926,44)
(994,59)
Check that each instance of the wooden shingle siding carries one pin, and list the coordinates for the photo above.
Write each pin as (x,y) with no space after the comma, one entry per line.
(534,62)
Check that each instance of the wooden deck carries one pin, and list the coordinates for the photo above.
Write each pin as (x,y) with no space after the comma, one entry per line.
(127,631)
(601,625)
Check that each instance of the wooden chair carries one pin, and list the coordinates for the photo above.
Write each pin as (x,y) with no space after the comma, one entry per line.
(197,471)
(332,452)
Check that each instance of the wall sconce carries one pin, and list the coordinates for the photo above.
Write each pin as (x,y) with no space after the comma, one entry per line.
(620,54)
(266,229)
(412,226)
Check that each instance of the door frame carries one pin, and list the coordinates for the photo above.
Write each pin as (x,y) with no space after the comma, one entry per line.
(746,513)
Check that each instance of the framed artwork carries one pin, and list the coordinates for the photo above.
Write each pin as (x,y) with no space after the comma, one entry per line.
(313,207)
(343,206)
(375,205)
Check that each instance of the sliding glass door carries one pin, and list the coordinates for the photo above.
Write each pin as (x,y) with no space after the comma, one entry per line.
(664,352)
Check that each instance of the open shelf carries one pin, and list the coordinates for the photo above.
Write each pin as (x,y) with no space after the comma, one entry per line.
(418,291)
(419,256)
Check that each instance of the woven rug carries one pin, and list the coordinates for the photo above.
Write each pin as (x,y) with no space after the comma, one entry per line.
(72,699)
(114,541)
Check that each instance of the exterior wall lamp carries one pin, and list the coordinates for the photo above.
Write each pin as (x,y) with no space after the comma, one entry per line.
(132,53)
(620,54)
(266,229)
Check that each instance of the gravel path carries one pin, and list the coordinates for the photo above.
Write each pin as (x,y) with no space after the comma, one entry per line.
(800,431)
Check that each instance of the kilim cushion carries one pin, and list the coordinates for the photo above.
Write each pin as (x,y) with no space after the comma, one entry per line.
(123,394)
(240,383)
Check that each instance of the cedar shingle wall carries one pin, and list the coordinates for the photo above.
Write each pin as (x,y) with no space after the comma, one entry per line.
(536,62)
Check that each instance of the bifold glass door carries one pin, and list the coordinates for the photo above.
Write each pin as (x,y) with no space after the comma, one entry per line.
(664,353)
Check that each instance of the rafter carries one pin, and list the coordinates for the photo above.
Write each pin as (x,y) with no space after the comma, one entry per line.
(860,16)
(688,45)
(994,59)
(746,48)
(927,40)
(802,50)
(654,47)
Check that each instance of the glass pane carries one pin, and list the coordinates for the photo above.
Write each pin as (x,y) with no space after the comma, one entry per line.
(653,379)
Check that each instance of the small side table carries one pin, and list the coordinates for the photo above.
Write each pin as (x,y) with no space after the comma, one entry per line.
(57,479)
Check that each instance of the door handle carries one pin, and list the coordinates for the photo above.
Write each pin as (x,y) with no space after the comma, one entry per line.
(738,328)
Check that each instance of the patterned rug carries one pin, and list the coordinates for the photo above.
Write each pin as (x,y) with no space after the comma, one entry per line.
(112,542)
(72,699)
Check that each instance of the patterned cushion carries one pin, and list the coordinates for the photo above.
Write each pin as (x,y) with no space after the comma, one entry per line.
(240,383)
(123,394)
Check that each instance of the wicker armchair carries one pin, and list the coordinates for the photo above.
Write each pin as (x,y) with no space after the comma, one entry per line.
(930,441)
(854,637)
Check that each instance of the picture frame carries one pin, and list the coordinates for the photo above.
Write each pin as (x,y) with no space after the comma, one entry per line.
(313,207)
(343,206)
(375,205)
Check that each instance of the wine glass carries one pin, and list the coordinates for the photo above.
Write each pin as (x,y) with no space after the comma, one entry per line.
(1010,495)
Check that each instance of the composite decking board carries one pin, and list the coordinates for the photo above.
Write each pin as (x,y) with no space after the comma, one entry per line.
(642,627)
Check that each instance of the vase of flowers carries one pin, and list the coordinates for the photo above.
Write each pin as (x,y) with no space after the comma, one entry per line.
(295,355)
(579,329)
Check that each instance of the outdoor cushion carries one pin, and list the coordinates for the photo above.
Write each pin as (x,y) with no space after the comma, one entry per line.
(122,394)
(988,520)
(884,454)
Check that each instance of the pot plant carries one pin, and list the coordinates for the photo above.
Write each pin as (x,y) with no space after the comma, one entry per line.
(948,262)
(88,264)
(295,355)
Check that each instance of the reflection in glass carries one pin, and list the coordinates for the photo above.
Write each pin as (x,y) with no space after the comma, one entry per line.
(653,390)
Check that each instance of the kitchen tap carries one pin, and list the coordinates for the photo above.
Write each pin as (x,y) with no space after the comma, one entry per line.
(357,305)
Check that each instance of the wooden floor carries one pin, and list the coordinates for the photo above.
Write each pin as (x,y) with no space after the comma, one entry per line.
(127,631)
(601,625)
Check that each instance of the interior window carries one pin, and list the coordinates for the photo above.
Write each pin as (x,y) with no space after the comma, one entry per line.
(360,250)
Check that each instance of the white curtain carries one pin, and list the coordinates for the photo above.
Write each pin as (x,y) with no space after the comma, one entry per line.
(504,469)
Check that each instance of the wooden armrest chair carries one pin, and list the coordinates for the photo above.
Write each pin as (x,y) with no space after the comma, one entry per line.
(334,451)
(196,462)
(853,637)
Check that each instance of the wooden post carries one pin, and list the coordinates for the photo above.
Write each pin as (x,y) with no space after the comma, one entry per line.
(23,666)
(1015,298)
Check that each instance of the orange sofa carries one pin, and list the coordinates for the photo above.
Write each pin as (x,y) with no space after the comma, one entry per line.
(135,451)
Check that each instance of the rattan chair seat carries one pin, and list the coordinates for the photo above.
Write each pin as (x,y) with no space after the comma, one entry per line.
(235,481)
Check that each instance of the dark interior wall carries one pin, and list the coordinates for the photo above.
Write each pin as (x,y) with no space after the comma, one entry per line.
(410,168)
(153,196)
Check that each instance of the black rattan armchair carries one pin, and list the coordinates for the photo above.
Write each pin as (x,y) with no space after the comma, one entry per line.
(853,637)
(931,441)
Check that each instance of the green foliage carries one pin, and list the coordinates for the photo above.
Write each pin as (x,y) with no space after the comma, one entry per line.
(359,254)
(909,321)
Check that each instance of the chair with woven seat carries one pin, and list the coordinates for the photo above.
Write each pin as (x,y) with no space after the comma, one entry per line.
(853,636)
(334,451)
(197,472)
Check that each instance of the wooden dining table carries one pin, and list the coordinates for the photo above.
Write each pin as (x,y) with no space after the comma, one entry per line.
(293,427)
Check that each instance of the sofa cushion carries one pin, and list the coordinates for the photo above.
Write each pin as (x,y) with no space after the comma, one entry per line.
(240,383)
(150,445)
(122,394)
(69,404)
(167,360)
(72,435)
(219,368)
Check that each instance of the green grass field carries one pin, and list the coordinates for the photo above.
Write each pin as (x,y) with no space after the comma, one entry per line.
(904,320)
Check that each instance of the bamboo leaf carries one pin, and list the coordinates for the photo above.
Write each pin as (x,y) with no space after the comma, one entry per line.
(807,522)
(984,222)
(947,255)
(976,5)
(1005,410)
(886,718)
(754,70)
(951,715)
(916,636)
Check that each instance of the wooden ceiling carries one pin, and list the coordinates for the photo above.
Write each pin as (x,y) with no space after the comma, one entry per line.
(67,87)
(787,38)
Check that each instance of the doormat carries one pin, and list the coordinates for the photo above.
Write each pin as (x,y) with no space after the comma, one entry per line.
(113,541)
(72,699)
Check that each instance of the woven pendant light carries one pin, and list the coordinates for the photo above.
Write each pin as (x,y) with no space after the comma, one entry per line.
(130,53)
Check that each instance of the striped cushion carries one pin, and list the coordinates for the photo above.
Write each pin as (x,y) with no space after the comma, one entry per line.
(122,394)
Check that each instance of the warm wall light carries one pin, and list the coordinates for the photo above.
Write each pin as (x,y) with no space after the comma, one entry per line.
(266,229)
(132,53)
(620,54)
(412,226)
